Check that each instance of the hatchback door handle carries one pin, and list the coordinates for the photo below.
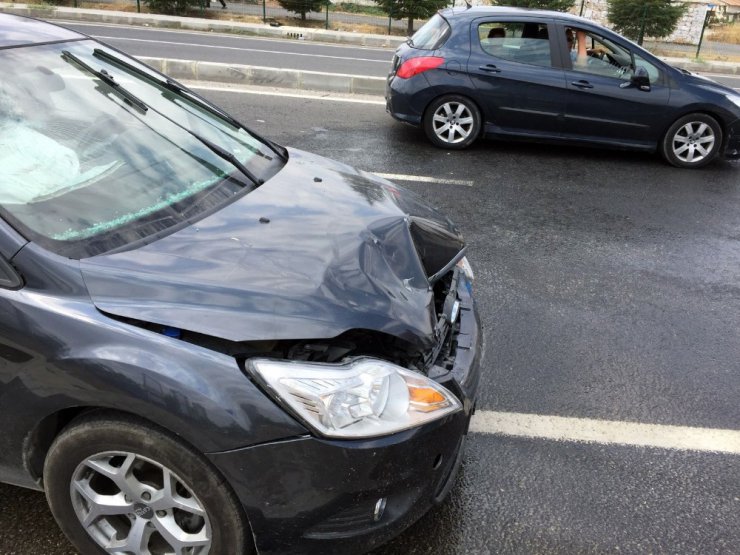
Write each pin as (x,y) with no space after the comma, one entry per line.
(490,68)
(582,84)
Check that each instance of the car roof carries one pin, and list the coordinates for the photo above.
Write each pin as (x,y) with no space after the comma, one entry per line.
(484,11)
(23,31)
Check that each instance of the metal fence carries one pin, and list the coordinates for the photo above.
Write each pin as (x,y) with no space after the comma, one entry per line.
(363,16)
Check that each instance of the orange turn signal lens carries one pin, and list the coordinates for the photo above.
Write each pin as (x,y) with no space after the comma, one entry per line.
(426,399)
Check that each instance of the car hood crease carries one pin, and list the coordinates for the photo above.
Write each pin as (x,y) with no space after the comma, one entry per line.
(319,249)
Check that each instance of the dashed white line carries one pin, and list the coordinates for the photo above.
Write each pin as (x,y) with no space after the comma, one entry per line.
(263,91)
(606,432)
(424,179)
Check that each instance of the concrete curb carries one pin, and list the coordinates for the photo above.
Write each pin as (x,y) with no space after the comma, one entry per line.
(188,70)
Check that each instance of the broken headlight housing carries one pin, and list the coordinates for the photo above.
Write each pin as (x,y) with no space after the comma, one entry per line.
(362,398)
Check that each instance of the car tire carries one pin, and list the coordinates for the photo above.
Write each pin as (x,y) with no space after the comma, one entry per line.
(153,486)
(692,141)
(452,122)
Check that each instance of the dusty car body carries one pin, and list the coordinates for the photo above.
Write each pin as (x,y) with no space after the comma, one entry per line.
(166,342)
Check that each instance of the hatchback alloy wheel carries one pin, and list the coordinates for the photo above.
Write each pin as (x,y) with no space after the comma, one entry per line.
(131,504)
(692,141)
(452,122)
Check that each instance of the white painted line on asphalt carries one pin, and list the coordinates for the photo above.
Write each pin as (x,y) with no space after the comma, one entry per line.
(606,432)
(424,179)
(263,91)
(217,47)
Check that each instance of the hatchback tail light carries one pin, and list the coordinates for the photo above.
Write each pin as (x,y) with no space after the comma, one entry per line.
(414,66)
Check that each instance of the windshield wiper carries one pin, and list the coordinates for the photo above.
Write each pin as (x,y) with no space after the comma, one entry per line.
(138,103)
(229,156)
(176,88)
(108,79)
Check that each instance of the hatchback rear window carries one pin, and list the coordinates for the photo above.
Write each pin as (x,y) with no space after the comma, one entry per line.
(432,35)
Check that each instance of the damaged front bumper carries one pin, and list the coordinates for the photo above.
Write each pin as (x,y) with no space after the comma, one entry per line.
(313,495)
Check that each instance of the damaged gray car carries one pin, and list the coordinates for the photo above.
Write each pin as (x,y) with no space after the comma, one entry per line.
(210,343)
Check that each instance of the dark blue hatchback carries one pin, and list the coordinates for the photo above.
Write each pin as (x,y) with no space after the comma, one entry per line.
(525,74)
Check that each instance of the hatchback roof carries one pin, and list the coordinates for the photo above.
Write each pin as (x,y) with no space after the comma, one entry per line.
(483,11)
(22,31)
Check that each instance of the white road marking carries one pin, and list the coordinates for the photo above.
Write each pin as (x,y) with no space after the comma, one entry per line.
(263,91)
(424,179)
(217,47)
(606,432)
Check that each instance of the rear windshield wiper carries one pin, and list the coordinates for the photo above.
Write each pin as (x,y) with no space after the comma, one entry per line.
(176,88)
(108,79)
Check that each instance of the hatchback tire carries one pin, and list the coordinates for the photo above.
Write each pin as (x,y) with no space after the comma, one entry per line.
(692,141)
(117,484)
(452,122)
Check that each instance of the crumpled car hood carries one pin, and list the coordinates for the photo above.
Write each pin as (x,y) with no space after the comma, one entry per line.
(319,249)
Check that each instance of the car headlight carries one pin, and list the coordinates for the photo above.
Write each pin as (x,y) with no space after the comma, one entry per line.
(363,398)
(734,98)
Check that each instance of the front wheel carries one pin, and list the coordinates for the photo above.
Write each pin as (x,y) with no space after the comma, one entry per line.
(118,485)
(692,141)
(452,122)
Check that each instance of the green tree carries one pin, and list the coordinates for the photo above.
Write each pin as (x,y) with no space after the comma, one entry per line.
(412,9)
(558,5)
(637,18)
(303,6)
(173,7)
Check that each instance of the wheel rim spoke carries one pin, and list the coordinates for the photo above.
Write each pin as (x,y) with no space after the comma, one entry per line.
(176,536)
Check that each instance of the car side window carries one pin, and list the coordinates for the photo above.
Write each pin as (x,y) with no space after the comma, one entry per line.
(522,42)
(654,73)
(597,55)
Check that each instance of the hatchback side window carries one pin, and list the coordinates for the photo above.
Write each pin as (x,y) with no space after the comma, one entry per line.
(525,43)
(591,53)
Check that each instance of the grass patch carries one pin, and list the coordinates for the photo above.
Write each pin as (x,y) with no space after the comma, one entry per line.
(726,33)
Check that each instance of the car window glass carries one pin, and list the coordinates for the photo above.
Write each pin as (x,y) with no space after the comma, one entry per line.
(432,34)
(83,171)
(653,72)
(599,55)
(522,42)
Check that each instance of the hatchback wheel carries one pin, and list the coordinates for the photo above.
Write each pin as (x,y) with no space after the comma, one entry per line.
(117,485)
(452,122)
(692,141)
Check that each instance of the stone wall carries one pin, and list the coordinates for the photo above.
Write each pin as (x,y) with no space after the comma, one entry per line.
(688,29)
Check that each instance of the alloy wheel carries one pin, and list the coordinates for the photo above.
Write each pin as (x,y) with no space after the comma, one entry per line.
(693,142)
(453,122)
(132,505)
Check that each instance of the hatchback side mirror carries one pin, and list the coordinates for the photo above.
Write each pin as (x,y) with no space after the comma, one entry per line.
(640,80)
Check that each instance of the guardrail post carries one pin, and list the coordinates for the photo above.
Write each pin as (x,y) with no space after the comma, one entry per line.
(328,2)
(264,11)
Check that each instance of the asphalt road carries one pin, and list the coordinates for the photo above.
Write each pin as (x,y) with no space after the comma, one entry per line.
(608,288)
